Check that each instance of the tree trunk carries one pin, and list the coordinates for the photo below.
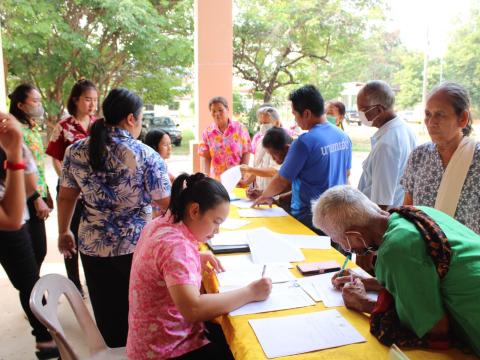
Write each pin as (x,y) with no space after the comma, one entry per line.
(267,96)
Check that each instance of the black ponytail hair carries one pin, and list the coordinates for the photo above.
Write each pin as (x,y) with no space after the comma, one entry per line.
(205,191)
(20,95)
(154,137)
(118,104)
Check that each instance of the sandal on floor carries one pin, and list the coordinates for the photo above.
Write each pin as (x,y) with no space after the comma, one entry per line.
(47,353)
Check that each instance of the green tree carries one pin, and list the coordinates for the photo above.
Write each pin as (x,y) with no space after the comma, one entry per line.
(144,45)
(282,42)
(409,78)
(462,62)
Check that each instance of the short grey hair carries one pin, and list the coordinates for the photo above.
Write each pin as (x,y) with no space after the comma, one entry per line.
(270,111)
(341,208)
(459,99)
(378,92)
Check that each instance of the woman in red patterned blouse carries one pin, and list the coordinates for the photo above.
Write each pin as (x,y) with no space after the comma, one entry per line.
(82,106)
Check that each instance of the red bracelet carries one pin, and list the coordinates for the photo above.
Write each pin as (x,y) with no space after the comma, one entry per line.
(7,165)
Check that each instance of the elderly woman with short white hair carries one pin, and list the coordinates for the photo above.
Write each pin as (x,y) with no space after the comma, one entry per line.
(427,269)
(264,167)
(445,172)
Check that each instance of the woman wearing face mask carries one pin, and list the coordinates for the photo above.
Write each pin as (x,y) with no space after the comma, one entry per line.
(335,111)
(118,178)
(26,106)
(264,167)
(82,106)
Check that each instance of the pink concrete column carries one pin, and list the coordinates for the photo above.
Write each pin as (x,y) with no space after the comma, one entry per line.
(213,61)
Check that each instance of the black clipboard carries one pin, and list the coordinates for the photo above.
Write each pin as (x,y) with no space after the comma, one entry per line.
(227,249)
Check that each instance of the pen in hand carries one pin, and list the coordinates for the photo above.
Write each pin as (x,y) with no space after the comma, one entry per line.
(263,271)
(347,258)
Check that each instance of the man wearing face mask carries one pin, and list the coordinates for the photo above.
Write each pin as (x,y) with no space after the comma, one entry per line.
(427,269)
(391,146)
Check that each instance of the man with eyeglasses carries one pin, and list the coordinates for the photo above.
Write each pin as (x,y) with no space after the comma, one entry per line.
(390,148)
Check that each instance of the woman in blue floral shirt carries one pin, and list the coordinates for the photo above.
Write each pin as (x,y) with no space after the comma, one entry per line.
(118,177)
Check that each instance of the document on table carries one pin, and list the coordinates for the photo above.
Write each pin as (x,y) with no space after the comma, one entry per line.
(320,288)
(283,296)
(233,224)
(230,178)
(242,203)
(307,241)
(266,247)
(231,238)
(240,277)
(298,334)
(262,212)
(231,262)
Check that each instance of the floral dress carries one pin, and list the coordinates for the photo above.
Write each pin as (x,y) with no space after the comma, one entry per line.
(33,139)
(225,149)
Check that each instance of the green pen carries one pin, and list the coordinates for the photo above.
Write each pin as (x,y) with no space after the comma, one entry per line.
(347,258)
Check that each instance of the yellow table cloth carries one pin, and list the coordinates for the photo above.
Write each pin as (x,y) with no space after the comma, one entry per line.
(242,339)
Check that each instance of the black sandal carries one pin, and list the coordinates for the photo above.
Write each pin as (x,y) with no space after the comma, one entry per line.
(47,353)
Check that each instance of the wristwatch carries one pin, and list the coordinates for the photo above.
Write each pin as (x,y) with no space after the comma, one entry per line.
(7,165)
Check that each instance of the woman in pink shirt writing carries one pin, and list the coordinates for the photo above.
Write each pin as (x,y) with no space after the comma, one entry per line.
(167,310)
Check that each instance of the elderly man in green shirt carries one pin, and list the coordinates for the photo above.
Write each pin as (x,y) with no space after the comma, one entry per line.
(430,269)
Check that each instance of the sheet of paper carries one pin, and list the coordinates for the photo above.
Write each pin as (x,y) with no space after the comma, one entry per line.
(230,262)
(230,178)
(297,334)
(262,242)
(233,224)
(283,296)
(262,212)
(307,241)
(233,196)
(231,238)
(239,277)
(320,288)
(242,203)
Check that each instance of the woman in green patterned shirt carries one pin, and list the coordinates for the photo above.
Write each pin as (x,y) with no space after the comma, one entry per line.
(26,106)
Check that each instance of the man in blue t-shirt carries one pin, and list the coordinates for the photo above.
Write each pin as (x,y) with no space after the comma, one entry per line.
(316,161)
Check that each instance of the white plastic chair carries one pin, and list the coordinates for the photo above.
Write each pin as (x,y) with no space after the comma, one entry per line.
(48,289)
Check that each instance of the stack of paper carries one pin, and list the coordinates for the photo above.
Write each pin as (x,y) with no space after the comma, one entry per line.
(320,288)
(231,238)
(283,296)
(266,247)
(297,334)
